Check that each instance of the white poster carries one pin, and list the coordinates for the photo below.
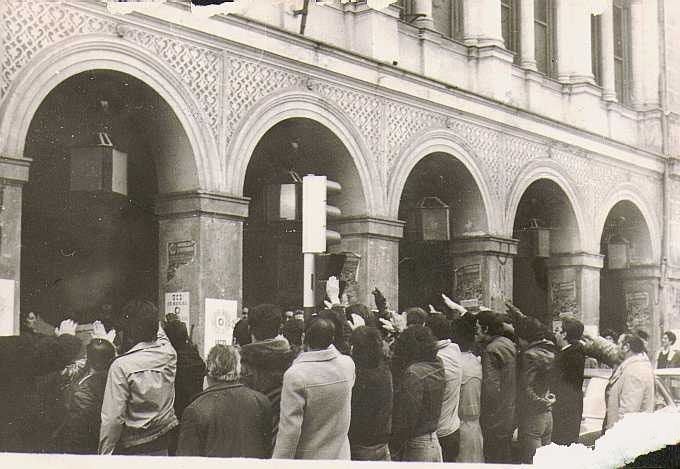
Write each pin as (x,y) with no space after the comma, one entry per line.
(6,307)
(178,303)
(220,318)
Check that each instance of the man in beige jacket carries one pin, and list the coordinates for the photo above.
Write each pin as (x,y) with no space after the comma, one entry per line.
(631,386)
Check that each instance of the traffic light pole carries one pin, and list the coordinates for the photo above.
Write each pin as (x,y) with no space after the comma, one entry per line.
(309,287)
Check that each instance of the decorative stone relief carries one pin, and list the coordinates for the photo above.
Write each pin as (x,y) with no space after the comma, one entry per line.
(29,27)
(249,81)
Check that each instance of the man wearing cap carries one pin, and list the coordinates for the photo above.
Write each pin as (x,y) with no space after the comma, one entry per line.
(631,386)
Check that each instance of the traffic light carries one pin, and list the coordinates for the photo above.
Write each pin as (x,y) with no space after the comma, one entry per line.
(316,212)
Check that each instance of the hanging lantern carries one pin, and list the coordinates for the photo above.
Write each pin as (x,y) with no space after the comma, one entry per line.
(618,249)
(534,241)
(432,219)
(99,167)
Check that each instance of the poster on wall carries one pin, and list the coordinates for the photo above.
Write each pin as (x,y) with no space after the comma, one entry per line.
(6,307)
(220,318)
(178,303)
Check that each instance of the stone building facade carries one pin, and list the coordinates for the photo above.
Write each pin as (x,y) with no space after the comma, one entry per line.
(381,91)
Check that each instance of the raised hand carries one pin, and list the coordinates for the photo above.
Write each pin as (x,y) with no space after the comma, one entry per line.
(333,290)
(99,332)
(452,305)
(67,326)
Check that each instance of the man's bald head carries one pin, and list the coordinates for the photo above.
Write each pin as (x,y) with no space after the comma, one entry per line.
(320,334)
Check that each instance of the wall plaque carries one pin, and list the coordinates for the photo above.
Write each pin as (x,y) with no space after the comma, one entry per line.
(179,253)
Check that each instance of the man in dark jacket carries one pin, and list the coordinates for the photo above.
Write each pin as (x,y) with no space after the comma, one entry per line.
(567,383)
(371,416)
(535,399)
(497,416)
(267,357)
(227,420)
(79,433)
(22,359)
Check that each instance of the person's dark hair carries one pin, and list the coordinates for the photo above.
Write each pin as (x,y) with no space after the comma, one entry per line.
(609,333)
(492,321)
(671,337)
(177,333)
(415,316)
(293,330)
(635,343)
(366,347)
(320,333)
(641,334)
(463,332)
(531,329)
(100,354)
(573,329)
(416,344)
(141,321)
(264,321)
(440,326)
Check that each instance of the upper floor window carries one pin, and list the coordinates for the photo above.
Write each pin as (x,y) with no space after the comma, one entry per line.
(510,26)
(447,16)
(544,36)
(621,16)
(596,47)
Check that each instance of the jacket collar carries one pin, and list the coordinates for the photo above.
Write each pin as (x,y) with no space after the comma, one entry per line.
(443,343)
(142,346)
(639,358)
(219,387)
(318,355)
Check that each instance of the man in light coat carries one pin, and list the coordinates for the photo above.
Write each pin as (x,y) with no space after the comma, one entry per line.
(631,386)
(316,400)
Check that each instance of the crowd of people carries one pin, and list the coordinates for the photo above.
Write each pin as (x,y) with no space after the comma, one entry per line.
(345,383)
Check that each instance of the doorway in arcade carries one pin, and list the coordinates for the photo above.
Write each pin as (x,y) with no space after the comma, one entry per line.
(272,241)
(102,143)
(442,207)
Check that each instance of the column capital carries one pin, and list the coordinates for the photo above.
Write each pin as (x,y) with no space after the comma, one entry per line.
(484,244)
(14,171)
(372,227)
(583,260)
(202,203)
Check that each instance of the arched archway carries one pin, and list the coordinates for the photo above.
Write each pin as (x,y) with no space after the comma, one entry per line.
(89,231)
(443,208)
(287,151)
(80,54)
(297,104)
(549,228)
(627,279)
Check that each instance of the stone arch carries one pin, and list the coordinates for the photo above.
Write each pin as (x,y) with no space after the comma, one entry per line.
(440,141)
(546,169)
(628,192)
(79,54)
(291,104)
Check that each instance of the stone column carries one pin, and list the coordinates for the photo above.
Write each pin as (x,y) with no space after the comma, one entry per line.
(424,8)
(376,241)
(563,39)
(580,42)
(637,53)
(527,39)
(483,269)
(482,23)
(574,286)
(642,300)
(607,54)
(201,251)
(13,175)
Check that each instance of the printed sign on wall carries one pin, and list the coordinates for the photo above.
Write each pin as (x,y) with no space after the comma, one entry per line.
(220,318)
(6,307)
(178,303)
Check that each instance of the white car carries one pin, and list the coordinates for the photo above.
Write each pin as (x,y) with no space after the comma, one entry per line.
(666,394)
